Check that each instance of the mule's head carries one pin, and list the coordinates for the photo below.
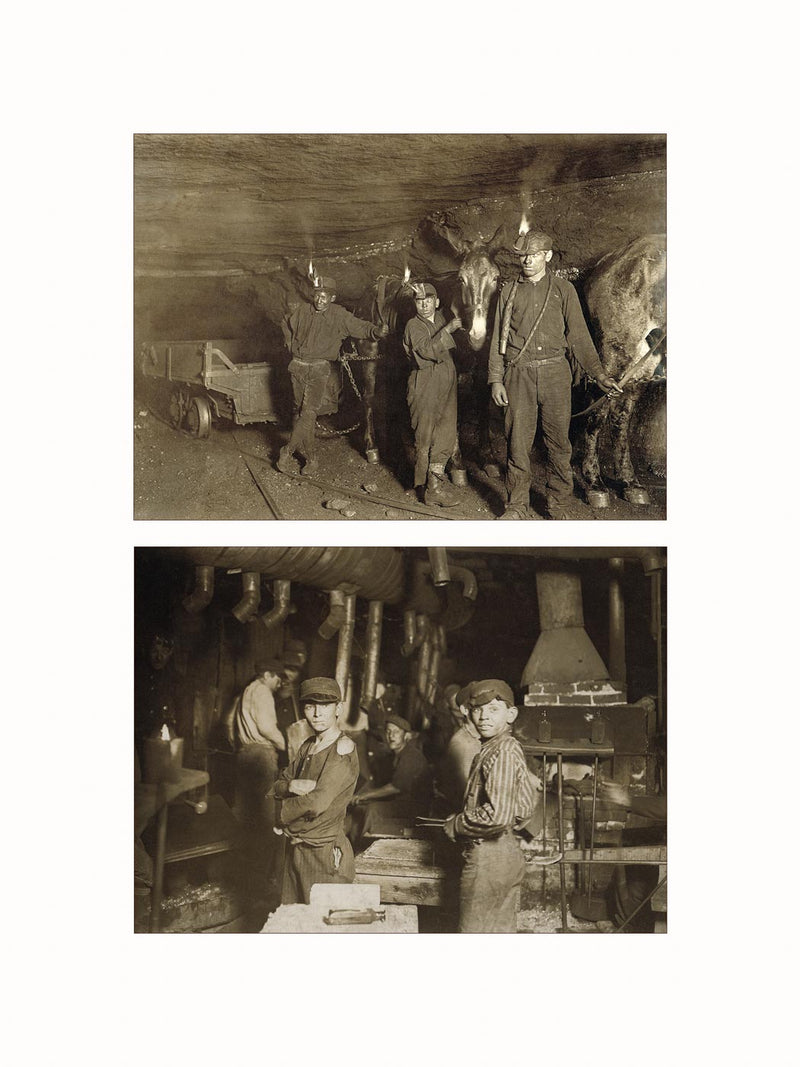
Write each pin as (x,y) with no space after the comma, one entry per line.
(478,274)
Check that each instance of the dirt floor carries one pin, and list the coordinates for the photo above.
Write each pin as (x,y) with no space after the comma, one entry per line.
(230,475)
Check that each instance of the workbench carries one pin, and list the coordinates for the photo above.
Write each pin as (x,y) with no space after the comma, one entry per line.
(153,799)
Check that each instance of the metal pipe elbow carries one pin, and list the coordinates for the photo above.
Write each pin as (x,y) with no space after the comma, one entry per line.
(203,592)
(335,618)
(251,596)
(282,591)
(468,581)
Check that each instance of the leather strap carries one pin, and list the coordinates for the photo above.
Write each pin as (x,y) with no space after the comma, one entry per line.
(529,338)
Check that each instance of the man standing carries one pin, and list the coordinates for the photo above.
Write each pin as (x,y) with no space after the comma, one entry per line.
(258,742)
(314,334)
(538,321)
(432,394)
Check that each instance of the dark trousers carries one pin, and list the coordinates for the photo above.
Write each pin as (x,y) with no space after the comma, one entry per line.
(305,866)
(490,885)
(432,402)
(535,391)
(256,772)
(308,383)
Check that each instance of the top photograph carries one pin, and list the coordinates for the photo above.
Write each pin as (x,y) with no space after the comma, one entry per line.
(400,326)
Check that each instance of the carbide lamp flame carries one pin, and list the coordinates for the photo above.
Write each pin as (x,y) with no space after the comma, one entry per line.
(165,732)
(523,226)
(313,274)
(406,275)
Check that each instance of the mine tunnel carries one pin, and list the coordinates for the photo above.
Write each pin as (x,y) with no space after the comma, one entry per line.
(407,640)
(229,232)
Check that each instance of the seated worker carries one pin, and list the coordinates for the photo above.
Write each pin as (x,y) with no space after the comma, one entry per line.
(632,883)
(432,395)
(314,333)
(498,801)
(257,742)
(454,766)
(314,791)
(391,807)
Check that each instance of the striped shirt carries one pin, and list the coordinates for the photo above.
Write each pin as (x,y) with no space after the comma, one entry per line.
(499,794)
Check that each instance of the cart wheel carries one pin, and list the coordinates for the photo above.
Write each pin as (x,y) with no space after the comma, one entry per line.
(176,408)
(198,417)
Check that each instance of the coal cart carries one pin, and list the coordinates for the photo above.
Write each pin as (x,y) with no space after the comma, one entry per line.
(209,380)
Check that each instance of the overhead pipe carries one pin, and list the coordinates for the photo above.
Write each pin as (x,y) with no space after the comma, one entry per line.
(282,593)
(617,665)
(251,596)
(344,652)
(440,571)
(332,622)
(409,632)
(376,573)
(650,558)
(435,664)
(373,652)
(424,664)
(203,592)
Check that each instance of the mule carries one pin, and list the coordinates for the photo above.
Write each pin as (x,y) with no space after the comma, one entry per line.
(625,298)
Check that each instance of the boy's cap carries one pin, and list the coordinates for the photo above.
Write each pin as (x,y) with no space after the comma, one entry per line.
(535,241)
(464,695)
(482,692)
(272,664)
(326,689)
(398,720)
(326,283)
(423,289)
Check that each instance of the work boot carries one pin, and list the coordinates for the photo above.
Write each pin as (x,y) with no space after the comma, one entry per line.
(311,466)
(286,462)
(439,491)
(561,509)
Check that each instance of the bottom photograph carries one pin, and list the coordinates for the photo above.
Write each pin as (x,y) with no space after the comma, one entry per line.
(400,740)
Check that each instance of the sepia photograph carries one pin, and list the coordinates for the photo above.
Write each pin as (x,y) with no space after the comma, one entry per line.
(399,326)
(400,740)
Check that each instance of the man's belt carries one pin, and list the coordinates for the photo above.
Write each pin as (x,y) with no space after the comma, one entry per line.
(311,362)
(537,362)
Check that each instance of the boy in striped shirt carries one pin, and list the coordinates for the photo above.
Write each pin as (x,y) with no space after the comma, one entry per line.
(498,800)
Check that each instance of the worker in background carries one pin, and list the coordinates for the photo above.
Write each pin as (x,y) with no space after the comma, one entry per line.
(432,395)
(314,791)
(498,801)
(314,334)
(258,742)
(538,322)
(462,748)
(395,805)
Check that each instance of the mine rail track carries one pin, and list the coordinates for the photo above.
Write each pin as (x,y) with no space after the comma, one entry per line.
(332,487)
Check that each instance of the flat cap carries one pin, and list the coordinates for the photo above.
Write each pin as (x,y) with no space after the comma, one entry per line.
(464,695)
(271,663)
(326,689)
(398,720)
(482,692)
(535,241)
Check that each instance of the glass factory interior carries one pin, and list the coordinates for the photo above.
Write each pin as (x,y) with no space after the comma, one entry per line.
(414,639)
